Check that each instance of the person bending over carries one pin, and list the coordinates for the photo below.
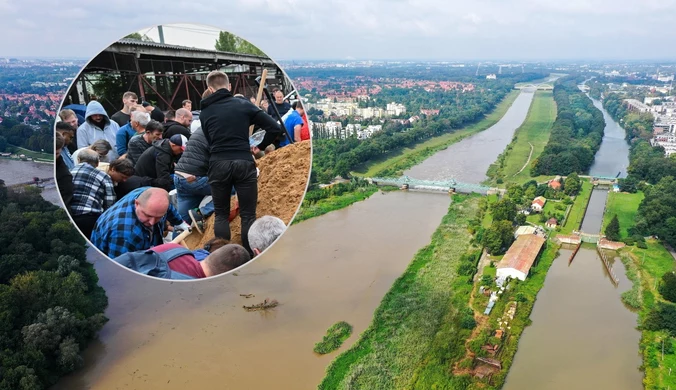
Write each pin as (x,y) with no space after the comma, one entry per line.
(264,232)
(136,222)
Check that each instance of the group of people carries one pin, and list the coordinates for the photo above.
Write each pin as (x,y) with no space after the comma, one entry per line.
(115,174)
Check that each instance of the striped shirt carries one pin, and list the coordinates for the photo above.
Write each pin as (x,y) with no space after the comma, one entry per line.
(93,190)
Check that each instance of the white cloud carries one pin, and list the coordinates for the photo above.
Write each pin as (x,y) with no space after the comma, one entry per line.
(362,29)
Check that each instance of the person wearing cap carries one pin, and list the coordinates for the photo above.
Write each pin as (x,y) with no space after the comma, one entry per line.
(158,161)
(180,124)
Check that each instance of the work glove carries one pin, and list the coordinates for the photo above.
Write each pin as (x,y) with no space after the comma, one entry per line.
(182,227)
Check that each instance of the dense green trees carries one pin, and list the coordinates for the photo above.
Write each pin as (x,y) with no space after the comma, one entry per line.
(668,287)
(497,238)
(662,317)
(657,212)
(612,231)
(25,136)
(576,133)
(50,301)
(572,184)
(234,44)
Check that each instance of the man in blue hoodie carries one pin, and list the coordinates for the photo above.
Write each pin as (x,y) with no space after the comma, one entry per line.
(97,126)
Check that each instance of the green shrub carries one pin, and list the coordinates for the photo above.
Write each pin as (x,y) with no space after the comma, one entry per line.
(334,338)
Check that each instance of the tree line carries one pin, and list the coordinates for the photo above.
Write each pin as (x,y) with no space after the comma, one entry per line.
(576,133)
(338,157)
(51,305)
(13,132)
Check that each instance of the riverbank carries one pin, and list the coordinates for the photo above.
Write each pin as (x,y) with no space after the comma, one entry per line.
(408,157)
(394,351)
(310,210)
(513,165)
(645,268)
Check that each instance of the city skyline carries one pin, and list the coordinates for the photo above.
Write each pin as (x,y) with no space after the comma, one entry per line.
(519,30)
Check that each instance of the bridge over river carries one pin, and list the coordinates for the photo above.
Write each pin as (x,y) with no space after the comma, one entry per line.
(435,185)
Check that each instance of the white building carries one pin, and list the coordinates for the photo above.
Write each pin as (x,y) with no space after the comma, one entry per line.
(520,257)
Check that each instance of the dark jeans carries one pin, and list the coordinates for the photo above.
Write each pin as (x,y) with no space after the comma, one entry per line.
(223,176)
(85,223)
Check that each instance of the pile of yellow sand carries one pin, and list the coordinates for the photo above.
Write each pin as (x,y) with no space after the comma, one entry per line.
(281,186)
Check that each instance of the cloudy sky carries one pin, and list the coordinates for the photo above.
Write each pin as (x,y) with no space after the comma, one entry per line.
(366,29)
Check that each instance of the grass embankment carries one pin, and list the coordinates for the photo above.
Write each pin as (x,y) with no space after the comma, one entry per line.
(423,307)
(574,219)
(333,203)
(625,206)
(513,166)
(33,154)
(645,268)
(405,158)
(334,338)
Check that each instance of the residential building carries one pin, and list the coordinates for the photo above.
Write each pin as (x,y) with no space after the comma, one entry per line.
(538,203)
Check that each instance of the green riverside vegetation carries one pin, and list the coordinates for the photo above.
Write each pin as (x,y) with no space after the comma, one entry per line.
(574,219)
(334,338)
(51,305)
(645,269)
(396,162)
(514,164)
(394,351)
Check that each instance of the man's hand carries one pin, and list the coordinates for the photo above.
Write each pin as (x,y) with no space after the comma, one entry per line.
(183,227)
(255,150)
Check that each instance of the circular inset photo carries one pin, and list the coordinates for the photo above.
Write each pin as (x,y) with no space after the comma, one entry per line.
(182,151)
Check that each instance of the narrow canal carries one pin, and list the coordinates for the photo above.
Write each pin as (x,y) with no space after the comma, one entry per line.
(582,336)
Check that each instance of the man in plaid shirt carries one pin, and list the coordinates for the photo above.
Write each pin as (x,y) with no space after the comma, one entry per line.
(136,222)
(93,192)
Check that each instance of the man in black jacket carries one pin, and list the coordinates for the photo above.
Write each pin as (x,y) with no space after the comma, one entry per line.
(225,122)
(140,143)
(179,125)
(158,161)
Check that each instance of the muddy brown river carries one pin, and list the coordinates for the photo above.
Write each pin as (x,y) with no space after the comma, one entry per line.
(336,267)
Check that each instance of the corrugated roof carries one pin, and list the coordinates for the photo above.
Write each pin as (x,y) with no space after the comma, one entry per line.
(135,42)
(521,255)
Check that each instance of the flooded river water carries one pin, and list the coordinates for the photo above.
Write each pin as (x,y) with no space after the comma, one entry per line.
(15,171)
(468,160)
(332,268)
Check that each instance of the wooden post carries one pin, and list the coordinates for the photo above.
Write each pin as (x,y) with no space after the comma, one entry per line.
(259,96)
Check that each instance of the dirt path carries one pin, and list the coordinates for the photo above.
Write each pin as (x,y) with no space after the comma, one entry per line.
(483,262)
(527,161)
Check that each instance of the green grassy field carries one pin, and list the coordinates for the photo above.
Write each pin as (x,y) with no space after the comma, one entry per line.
(535,130)
(488,218)
(625,205)
(407,157)
(395,347)
(577,211)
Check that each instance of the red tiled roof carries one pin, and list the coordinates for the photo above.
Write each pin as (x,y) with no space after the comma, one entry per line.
(521,255)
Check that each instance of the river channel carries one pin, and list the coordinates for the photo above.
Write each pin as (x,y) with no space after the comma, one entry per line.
(582,336)
(196,335)
(468,160)
(15,171)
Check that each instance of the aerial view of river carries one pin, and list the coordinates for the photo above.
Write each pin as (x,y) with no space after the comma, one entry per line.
(15,171)
(583,337)
(468,160)
(336,267)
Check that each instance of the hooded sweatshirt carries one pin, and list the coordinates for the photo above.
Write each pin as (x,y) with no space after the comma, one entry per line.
(157,163)
(90,132)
